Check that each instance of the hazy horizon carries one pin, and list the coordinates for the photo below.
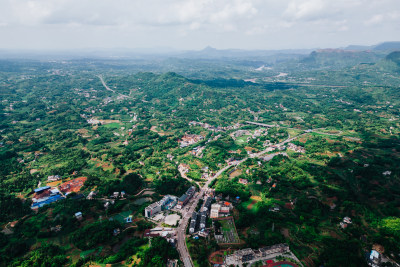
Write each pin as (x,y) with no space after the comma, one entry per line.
(194,25)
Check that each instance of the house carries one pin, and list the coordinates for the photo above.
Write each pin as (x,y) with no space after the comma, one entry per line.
(56,229)
(78,216)
(295,148)
(243,181)
(275,208)
(347,220)
(129,219)
(189,139)
(374,258)
(53,178)
(91,195)
(116,231)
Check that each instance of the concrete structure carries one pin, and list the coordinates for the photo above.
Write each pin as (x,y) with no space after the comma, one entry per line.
(248,255)
(183,200)
(221,209)
(203,220)
(207,204)
(78,215)
(214,213)
(166,203)
(53,178)
(190,139)
(193,223)
(186,197)
(374,259)
(45,195)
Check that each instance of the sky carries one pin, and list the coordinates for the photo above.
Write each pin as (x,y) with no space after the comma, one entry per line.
(195,24)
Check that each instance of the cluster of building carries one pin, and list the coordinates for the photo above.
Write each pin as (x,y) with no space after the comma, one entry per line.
(298,149)
(239,133)
(221,209)
(243,181)
(198,221)
(346,221)
(168,233)
(255,134)
(233,161)
(183,168)
(93,121)
(197,151)
(239,257)
(190,139)
(118,195)
(53,178)
(213,128)
(166,203)
(186,197)
(45,195)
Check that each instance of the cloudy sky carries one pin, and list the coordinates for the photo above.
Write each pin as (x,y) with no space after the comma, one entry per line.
(194,24)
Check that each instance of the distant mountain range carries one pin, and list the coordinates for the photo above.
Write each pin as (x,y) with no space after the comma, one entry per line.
(206,53)
(386,46)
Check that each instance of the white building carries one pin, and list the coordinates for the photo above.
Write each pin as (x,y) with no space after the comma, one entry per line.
(214,213)
(166,203)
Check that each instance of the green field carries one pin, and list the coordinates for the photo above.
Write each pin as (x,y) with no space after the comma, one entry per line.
(112,125)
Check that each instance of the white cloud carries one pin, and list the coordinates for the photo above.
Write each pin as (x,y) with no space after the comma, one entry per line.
(305,9)
(376,19)
(217,22)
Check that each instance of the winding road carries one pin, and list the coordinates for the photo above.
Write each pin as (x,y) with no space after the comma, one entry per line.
(109,89)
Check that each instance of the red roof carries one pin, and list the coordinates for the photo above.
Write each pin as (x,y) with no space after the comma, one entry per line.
(42,194)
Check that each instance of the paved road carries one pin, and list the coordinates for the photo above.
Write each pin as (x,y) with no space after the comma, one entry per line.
(181,230)
(261,124)
(109,89)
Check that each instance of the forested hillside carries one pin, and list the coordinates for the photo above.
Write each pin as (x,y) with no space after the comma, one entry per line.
(121,126)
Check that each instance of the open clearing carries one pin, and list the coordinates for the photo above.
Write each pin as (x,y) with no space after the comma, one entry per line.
(172,219)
